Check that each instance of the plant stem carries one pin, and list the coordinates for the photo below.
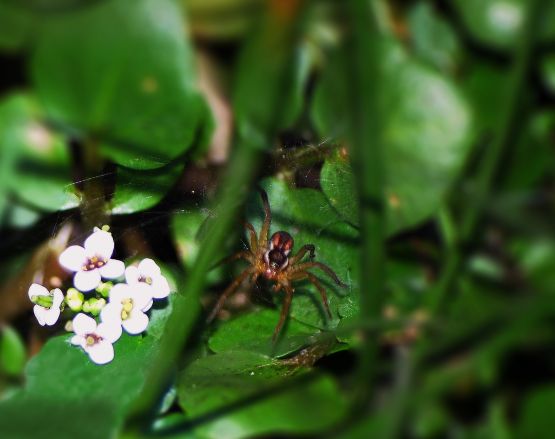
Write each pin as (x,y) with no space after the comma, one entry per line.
(93,205)
(493,155)
(365,141)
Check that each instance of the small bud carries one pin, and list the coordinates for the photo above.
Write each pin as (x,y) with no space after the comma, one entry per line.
(69,326)
(74,299)
(105,228)
(104,288)
(94,306)
(44,301)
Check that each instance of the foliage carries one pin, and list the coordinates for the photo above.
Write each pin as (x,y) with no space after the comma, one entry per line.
(165,118)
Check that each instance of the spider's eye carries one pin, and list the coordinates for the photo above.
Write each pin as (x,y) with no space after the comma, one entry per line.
(282,241)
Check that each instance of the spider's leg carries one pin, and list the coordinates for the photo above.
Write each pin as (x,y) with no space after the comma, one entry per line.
(245,254)
(253,242)
(314,280)
(284,311)
(228,291)
(304,249)
(313,264)
(265,230)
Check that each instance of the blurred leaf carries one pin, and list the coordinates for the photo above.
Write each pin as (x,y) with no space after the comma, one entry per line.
(484,87)
(123,71)
(537,420)
(22,216)
(141,190)
(254,399)
(309,218)
(15,24)
(63,375)
(187,232)
(47,417)
(12,352)
(36,162)
(253,333)
(260,110)
(425,149)
(532,159)
(223,19)
(497,23)
(548,71)
(433,40)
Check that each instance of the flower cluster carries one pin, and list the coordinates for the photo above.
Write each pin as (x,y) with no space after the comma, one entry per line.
(113,295)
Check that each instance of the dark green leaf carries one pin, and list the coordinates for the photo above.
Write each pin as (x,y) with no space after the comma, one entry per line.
(122,71)
(498,23)
(253,333)
(254,398)
(428,132)
(12,352)
(537,419)
(141,190)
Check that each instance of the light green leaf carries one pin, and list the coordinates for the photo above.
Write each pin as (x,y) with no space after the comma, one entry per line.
(12,352)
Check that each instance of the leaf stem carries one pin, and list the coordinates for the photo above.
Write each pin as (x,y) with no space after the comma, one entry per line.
(365,141)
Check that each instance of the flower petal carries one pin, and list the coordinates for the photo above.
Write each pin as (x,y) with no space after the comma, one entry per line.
(100,244)
(37,290)
(111,313)
(110,331)
(58,298)
(120,292)
(112,269)
(136,323)
(147,306)
(73,258)
(83,324)
(101,353)
(86,280)
(160,287)
(142,294)
(51,316)
(132,274)
(149,268)
(78,340)
(40,314)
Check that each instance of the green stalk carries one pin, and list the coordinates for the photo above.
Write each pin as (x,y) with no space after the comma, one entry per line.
(366,145)
(256,128)
(94,212)
(489,168)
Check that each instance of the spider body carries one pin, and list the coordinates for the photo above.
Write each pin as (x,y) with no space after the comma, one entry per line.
(271,258)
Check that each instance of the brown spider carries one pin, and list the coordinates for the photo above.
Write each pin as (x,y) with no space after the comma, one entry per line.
(270,259)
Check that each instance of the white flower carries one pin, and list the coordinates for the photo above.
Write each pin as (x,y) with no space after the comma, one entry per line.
(148,274)
(47,304)
(92,261)
(96,340)
(126,307)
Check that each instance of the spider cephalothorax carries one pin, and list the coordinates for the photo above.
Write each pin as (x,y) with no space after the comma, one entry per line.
(271,258)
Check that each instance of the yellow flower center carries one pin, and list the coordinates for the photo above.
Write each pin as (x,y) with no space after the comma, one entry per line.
(126,308)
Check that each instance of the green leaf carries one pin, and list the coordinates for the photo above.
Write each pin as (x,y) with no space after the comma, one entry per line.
(548,71)
(309,218)
(122,71)
(12,352)
(498,23)
(433,39)
(141,190)
(15,24)
(427,132)
(536,420)
(253,333)
(62,375)
(255,399)
(36,161)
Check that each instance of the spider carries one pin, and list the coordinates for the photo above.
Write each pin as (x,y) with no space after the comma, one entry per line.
(271,259)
